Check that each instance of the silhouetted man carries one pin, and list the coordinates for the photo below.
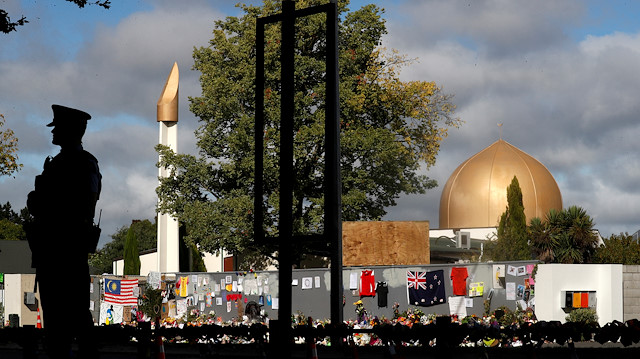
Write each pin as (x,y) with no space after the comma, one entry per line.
(62,234)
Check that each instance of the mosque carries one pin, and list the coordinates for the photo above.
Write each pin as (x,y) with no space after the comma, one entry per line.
(475,196)
(471,204)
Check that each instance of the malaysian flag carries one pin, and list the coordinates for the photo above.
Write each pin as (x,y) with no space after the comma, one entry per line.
(425,288)
(120,291)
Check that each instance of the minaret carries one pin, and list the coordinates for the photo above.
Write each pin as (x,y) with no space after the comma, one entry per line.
(168,238)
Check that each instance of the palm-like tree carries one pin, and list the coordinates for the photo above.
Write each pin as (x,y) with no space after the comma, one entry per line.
(540,240)
(565,236)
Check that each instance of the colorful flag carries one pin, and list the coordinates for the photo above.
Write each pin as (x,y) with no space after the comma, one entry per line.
(120,291)
(425,288)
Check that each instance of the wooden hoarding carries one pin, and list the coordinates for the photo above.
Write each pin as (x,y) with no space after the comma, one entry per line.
(385,243)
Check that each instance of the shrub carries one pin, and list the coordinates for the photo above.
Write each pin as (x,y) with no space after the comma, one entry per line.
(583,315)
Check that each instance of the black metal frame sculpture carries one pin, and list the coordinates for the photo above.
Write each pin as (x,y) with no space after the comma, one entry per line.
(332,206)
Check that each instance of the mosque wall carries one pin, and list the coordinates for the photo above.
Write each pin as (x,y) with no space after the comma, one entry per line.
(228,293)
(616,289)
(606,280)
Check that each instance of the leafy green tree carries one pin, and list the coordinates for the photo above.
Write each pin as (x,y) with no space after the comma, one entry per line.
(512,243)
(11,231)
(11,223)
(389,129)
(565,236)
(618,249)
(151,304)
(540,240)
(146,233)
(6,25)
(8,150)
(131,254)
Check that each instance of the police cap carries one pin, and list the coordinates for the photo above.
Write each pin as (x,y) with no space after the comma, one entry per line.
(68,116)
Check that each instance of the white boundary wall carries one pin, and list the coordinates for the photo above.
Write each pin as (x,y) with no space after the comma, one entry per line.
(149,263)
(605,279)
(13,295)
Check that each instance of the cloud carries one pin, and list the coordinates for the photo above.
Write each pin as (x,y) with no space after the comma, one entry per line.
(117,75)
(495,28)
(571,105)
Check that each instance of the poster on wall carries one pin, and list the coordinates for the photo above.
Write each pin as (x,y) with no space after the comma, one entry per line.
(181,307)
(307,283)
(353,281)
(250,286)
(126,314)
(476,289)
(110,313)
(511,291)
(498,275)
(173,310)
(458,306)
(154,279)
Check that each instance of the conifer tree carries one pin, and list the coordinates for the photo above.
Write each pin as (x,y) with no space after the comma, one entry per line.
(512,243)
(131,254)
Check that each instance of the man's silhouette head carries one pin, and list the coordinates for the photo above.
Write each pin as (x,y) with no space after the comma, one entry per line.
(68,125)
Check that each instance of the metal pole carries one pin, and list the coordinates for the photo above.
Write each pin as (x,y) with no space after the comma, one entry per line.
(333,183)
(258,215)
(282,332)
(285,219)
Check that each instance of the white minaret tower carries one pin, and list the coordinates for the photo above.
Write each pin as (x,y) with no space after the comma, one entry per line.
(168,237)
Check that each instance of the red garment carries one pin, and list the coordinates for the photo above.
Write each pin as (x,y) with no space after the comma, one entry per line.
(367,283)
(459,277)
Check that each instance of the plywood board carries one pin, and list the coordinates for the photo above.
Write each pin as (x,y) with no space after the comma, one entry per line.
(385,243)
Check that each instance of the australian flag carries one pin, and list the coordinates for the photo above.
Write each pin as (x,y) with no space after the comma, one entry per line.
(425,288)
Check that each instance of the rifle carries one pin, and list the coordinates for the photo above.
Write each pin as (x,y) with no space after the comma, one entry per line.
(94,235)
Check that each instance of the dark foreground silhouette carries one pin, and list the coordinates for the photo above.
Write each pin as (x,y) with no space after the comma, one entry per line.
(62,234)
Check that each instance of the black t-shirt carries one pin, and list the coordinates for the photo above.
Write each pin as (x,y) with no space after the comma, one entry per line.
(382,290)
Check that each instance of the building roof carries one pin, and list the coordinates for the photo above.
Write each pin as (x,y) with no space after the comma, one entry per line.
(15,257)
(476,193)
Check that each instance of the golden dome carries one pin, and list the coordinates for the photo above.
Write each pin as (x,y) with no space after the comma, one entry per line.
(476,193)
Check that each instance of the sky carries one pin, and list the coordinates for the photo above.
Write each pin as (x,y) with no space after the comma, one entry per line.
(562,76)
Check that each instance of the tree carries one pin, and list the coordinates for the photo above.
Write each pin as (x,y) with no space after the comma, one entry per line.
(131,254)
(8,151)
(541,242)
(618,249)
(389,129)
(11,231)
(566,236)
(11,223)
(146,233)
(6,25)
(512,243)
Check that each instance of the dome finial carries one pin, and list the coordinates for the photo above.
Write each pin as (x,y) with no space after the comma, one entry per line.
(500,126)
